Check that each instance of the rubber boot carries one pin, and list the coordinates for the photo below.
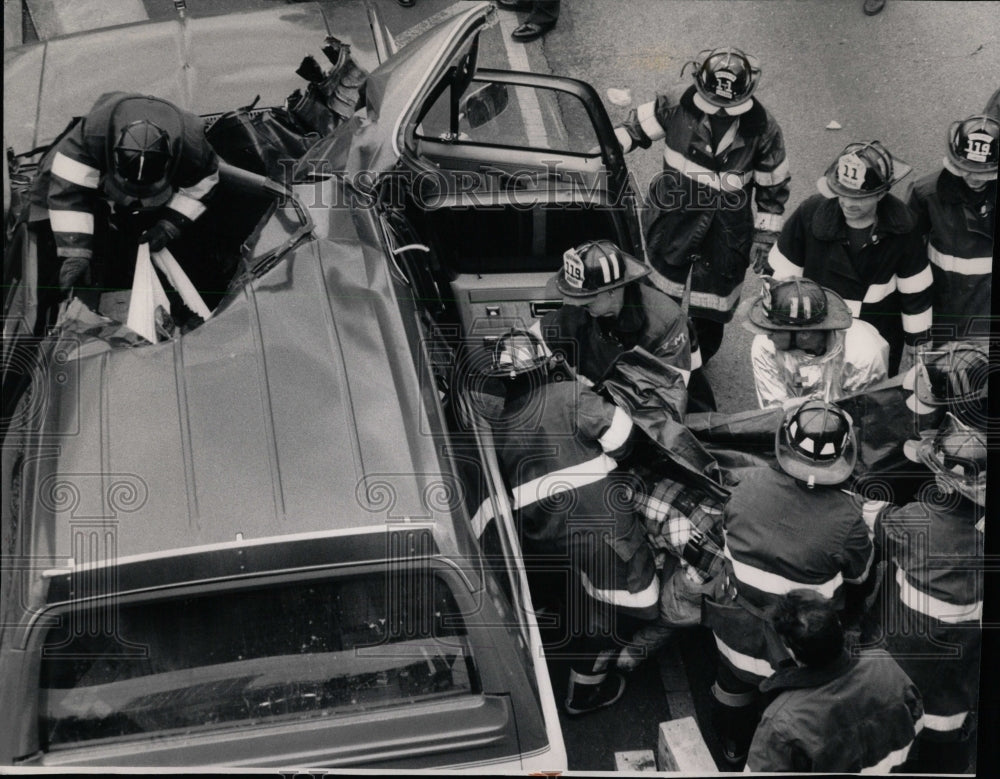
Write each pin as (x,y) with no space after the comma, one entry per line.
(734,719)
(590,692)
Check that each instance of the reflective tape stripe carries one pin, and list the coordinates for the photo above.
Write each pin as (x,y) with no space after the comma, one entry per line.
(772,222)
(624,139)
(770,178)
(911,285)
(728,181)
(563,480)
(716,302)
(72,221)
(781,265)
(870,511)
(753,665)
(775,584)
(646,114)
(186,206)
(734,700)
(966,266)
(929,606)
(202,188)
(482,517)
(646,597)
(917,323)
(877,292)
(943,724)
(618,431)
(894,758)
(696,359)
(75,171)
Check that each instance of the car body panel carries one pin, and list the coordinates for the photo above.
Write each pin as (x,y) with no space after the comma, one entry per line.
(200,63)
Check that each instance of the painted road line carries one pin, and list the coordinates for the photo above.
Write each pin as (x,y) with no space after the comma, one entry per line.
(531,111)
(636,760)
(61,17)
(675,682)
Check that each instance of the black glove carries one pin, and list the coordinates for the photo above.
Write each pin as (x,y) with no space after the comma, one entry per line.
(74,271)
(160,234)
(763,240)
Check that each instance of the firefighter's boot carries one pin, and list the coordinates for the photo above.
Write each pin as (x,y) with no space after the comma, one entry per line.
(590,692)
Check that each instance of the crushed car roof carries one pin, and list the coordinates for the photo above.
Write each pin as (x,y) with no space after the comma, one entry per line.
(295,409)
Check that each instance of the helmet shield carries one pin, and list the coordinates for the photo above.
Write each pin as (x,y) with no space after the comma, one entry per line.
(815,443)
(862,170)
(594,267)
(974,146)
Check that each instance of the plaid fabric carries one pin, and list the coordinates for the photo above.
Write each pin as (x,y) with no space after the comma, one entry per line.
(675,514)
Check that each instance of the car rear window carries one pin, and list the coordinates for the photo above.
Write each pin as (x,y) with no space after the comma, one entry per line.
(244,657)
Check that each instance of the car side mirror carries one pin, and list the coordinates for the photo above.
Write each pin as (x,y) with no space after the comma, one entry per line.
(484,104)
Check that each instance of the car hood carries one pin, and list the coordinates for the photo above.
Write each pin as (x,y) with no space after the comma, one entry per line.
(294,410)
(203,64)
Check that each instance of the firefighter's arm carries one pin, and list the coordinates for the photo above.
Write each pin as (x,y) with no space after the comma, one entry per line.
(772,750)
(72,196)
(602,421)
(786,257)
(914,280)
(645,124)
(858,553)
(197,174)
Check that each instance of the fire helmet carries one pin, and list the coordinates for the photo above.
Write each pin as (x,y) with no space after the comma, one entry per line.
(142,135)
(956,453)
(815,443)
(974,146)
(726,77)
(957,376)
(594,267)
(798,304)
(862,170)
(517,353)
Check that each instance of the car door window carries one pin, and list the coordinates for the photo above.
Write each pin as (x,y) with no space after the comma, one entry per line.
(296,651)
(532,117)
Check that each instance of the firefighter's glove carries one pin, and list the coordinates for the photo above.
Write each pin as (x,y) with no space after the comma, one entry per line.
(763,240)
(74,272)
(160,234)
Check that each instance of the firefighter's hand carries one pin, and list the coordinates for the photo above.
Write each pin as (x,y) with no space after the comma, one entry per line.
(160,234)
(763,240)
(74,271)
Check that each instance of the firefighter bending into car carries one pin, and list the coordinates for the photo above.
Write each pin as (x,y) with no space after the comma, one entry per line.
(610,308)
(146,156)
(559,445)
(786,527)
(723,149)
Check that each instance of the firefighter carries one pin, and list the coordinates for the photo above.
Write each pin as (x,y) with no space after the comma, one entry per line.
(863,243)
(956,212)
(832,713)
(146,156)
(609,309)
(786,527)
(722,148)
(930,614)
(808,346)
(559,445)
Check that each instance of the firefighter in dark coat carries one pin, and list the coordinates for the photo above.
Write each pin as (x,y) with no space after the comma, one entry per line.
(930,615)
(786,527)
(559,445)
(863,243)
(832,713)
(722,151)
(145,155)
(609,309)
(956,213)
